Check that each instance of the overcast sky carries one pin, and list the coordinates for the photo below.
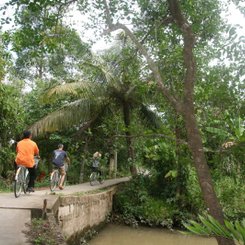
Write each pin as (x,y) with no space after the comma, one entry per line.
(74,18)
(233,16)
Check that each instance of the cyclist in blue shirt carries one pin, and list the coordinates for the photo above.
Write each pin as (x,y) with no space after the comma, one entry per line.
(59,159)
(96,163)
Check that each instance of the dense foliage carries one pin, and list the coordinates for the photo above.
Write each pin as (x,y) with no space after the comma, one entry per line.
(112,101)
(138,206)
(12,121)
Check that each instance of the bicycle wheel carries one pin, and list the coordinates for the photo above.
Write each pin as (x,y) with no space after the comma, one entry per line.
(54,178)
(18,182)
(64,182)
(26,180)
(93,178)
(101,178)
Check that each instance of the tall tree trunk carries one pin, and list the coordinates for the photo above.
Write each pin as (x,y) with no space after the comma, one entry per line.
(131,154)
(202,169)
(184,108)
(84,158)
(39,68)
(81,175)
(188,113)
(181,176)
(111,165)
(115,164)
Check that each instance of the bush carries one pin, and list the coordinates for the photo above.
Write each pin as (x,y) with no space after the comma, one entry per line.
(193,196)
(7,156)
(232,197)
(134,202)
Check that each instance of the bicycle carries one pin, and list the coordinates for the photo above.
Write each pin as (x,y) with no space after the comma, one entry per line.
(96,177)
(55,178)
(22,178)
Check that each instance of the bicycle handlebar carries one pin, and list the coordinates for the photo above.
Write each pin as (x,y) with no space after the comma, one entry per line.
(36,161)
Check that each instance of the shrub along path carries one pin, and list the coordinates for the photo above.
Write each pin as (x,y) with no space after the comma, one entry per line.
(16,212)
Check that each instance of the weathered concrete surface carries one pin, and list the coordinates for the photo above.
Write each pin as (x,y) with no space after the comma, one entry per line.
(77,213)
(12,224)
(16,212)
(87,187)
(28,201)
(35,200)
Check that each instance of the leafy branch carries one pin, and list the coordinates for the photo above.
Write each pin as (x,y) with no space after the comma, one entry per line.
(113,27)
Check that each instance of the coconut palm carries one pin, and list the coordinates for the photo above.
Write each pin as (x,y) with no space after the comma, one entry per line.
(112,82)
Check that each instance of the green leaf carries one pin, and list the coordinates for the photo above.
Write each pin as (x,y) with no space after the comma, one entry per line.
(223,231)
(233,231)
(172,174)
(217,131)
(210,226)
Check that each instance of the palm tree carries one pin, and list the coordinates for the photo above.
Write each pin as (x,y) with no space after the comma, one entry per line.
(112,82)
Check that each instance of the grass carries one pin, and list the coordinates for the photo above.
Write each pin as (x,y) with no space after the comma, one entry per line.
(90,192)
(5,186)
(42,232)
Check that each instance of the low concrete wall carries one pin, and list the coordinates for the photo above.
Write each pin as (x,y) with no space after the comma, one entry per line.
(79,213)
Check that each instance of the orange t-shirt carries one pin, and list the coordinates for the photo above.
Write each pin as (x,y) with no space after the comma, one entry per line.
(26,149)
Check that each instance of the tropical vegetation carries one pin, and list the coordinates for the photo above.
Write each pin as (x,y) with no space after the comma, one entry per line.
(165,102)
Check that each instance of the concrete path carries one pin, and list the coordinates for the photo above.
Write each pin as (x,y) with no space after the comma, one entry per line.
(16,212)
(12,224)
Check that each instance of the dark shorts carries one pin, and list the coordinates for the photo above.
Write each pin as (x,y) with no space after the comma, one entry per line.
(62,169)
(96,170)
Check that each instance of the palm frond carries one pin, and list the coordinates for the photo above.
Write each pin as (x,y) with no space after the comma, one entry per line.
(78,89)
(149,117)
(100,67)
(130,91)
(75,113)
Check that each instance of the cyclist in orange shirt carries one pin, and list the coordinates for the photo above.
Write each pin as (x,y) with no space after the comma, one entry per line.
(26,150)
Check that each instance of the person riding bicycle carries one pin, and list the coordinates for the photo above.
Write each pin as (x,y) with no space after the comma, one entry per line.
(96,163)
(26,150)
(59,159)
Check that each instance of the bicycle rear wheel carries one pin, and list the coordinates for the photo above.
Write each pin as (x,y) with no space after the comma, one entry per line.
(54,179)
(18,182)
(64,182)
(93,178)
(26,180)
(65,179)
(101,179)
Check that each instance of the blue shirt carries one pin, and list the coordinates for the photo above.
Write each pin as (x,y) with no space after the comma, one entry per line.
(59,157)
(96,163)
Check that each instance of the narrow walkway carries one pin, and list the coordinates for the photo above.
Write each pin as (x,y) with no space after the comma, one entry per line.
(16,212)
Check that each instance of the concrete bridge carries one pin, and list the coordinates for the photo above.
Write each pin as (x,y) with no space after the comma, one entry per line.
(74,207)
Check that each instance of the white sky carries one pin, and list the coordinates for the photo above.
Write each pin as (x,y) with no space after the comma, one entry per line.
(75,18)
(233,16)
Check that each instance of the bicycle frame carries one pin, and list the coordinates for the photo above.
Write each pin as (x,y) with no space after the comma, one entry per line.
(95,177)
(55,178)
